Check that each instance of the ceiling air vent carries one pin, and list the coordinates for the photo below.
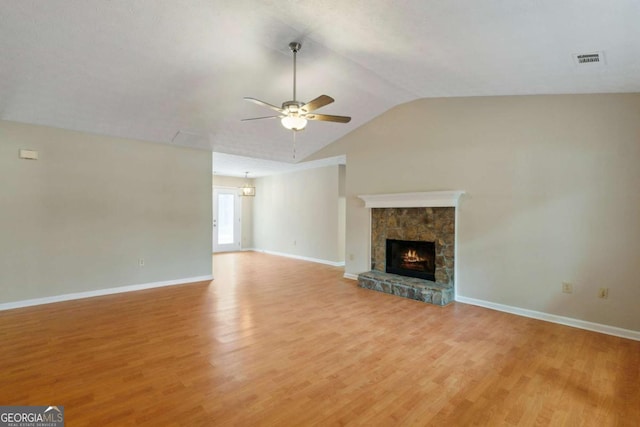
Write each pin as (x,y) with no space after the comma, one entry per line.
(593,58)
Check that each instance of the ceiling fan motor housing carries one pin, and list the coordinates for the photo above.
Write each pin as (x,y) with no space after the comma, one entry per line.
(292,106)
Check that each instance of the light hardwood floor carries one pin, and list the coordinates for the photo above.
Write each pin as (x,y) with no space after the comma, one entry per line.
(275,341)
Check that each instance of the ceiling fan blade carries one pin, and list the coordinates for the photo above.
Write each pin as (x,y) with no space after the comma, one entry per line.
(260,118)
(264,104)
(328,118)
(320,101)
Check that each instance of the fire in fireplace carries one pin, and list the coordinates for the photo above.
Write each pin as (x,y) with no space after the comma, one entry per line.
(411,258)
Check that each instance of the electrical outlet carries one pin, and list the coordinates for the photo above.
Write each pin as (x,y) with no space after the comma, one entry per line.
(351,257)
(603,293)
(140,262)
(567,287)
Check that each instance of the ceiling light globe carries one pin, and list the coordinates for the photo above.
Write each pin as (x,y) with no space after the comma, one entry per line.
(294,122)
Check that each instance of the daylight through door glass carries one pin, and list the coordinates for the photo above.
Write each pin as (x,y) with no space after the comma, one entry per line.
(225,218)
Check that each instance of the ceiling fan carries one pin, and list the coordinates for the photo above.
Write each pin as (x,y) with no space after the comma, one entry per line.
(294,114)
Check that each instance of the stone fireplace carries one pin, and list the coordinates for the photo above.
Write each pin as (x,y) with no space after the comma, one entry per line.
(413,238)
(435,225)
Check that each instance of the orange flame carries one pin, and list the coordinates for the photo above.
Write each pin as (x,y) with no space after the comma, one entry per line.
(412,256)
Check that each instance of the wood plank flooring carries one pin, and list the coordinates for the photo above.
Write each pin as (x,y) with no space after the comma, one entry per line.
(281,342)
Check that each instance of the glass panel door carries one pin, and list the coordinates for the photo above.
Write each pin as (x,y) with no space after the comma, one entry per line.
(226,220)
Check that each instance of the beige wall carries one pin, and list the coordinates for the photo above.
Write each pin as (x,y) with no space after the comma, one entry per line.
(79,218)
(246,203)
(552,194)
(297,214)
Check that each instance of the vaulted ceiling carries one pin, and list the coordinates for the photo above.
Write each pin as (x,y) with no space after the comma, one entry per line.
(176,72)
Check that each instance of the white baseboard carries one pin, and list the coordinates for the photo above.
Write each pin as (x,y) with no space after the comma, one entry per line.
(568,321)
(303,258)
(350,276)
(100,292)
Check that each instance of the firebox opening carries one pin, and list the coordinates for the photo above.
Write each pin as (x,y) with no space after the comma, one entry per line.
(411,258)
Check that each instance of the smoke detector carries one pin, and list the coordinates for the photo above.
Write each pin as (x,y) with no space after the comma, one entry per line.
(589,58)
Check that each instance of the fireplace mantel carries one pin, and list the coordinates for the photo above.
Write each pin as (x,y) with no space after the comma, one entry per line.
(429,199)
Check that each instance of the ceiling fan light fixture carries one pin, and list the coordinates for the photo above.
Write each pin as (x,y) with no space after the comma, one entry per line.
(292,122)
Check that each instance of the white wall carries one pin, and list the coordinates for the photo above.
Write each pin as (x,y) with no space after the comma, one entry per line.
(79,218)
(342,211)
(297,214)
(553,194)
(246,204)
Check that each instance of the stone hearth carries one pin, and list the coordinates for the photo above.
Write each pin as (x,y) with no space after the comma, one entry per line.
(407,287)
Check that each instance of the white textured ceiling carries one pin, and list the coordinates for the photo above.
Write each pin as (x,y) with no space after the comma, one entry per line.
(176,71)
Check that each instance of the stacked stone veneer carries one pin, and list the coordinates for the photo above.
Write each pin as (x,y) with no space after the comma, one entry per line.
(429,224)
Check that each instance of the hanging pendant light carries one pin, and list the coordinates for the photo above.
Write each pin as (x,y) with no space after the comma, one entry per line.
(247,189)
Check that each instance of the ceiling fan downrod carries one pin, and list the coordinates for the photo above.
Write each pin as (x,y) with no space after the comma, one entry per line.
(295,47)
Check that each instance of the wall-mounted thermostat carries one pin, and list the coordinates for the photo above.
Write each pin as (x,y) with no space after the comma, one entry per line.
(29,154)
